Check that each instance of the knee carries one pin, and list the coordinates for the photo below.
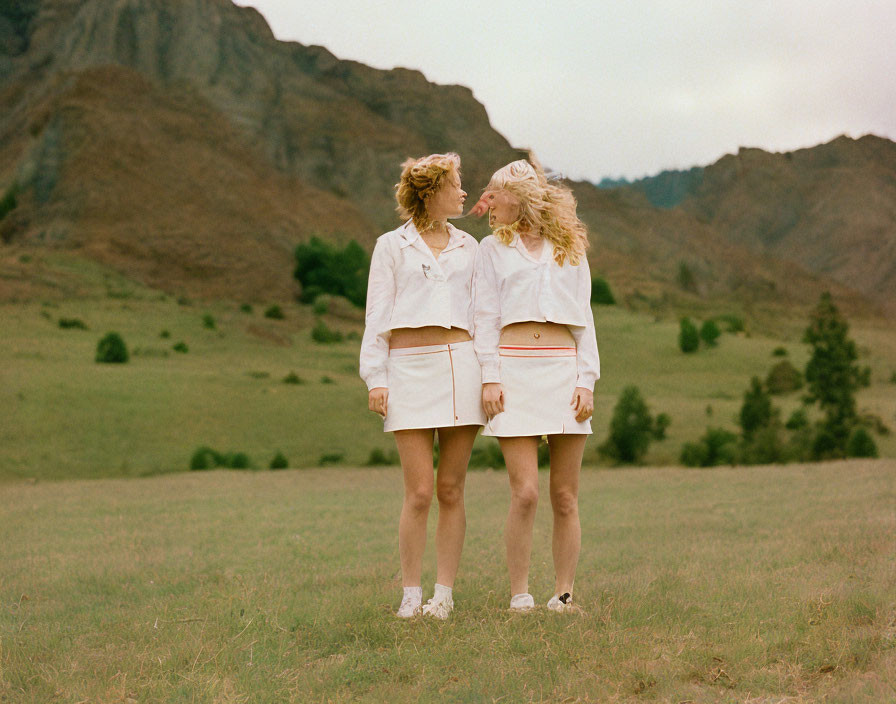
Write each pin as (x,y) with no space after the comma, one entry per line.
(418,499)
(450,493)
(565,503)
(525,497)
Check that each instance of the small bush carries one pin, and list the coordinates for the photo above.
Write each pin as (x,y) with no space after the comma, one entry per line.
(756,411)
(783,378)
(688,337)
(206,458)
(733,323)
(631,428)
(184,301)
(237,460)
(246,308)
(325,268)
(327,380)
(321,305)
(208,321)
(293,378)
(716,447)
(324,335)
(779,352)
(274,312)
(544,454)
(861,444)
(165,335)
(600,292)
(329,458)
(709,333)
(487,455)
(9,201)
(112,350)
(660,423)
(378,458)
(180,347)
(798,420)
(279,461)
(70,323)
(765,446)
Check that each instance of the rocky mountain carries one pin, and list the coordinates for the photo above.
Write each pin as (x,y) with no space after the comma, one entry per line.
(178,142)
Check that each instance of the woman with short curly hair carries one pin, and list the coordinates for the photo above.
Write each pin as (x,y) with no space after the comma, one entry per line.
(418,362)
(536,344)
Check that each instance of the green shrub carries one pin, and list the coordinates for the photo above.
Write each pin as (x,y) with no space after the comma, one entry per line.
(544,454)
(69,323)
(779,352)
(733,323)
(600,292)
(325,268)
(324,335)
(180,347)
(487,455)
(329,458)
(320,306)
(631,428)
(688,337)
(293,378)
(208,321)
(717,446)
(660,423)
(279,461)
(765,446)
(206,458)
(9,202)
(165,335)
(274,312)
(783,378)
(378,458)
(327,380)
(237,460)
(861,444)
(709,333)
(246,308)
(756,411)
(798,420)
(112,350)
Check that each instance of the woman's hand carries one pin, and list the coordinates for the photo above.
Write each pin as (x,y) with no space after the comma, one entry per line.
(492,399)
(583,403)
(377,400)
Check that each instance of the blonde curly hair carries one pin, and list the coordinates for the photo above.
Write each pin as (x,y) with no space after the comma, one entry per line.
(420,179)
(545,207)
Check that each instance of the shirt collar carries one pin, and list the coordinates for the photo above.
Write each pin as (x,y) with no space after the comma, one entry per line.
(410,236)
(546,249)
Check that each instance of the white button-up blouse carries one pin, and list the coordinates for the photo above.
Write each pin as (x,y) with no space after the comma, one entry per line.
(512,286)
(409,288)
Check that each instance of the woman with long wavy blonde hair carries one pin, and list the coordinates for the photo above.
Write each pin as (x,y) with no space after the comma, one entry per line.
(535,340)
(421,371)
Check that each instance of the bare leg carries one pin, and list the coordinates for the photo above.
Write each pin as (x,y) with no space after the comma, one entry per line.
(415,451)
(455,445)
(521,456)
(566,464)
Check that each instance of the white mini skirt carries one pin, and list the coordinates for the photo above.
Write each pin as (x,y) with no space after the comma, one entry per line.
(539,383)
(435,386)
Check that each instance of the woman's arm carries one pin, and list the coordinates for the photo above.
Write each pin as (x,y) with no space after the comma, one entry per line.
(587,357)
(380,301)
(486,315)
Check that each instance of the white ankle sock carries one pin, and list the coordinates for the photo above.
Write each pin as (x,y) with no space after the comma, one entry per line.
(441,592)
(413,593)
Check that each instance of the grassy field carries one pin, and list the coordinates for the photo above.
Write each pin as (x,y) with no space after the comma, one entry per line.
(64,416)
(760,585)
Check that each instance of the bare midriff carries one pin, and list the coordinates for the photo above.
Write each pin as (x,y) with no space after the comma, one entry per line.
(537,334)
(428,335)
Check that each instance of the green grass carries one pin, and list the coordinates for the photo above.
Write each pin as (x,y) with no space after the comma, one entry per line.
(64,416)
(727,585)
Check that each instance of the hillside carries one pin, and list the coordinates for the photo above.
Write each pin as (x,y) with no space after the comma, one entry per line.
(181,144)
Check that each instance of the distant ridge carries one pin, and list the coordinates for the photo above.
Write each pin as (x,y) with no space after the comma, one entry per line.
(178,142)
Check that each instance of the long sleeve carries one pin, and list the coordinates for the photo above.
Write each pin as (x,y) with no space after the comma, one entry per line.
(587,356)
(486,316)
(380,300)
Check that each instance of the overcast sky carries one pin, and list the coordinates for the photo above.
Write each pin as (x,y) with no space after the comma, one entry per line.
(616,88)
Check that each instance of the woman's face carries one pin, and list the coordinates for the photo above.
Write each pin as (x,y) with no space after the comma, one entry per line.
(503,207)
(448,201)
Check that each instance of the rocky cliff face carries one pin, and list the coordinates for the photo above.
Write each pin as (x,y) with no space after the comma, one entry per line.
(179,142)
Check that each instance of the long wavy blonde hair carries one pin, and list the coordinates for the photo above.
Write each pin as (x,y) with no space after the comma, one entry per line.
(420,179)
(545,207)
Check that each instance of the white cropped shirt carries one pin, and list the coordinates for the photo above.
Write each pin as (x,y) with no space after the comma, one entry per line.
(512,286)
(409,287)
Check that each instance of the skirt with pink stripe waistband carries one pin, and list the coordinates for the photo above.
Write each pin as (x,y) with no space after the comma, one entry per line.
(435,386)
(538,383)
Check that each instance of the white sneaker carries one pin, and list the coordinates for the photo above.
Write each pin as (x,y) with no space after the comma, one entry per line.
(561,602)
(439,608)
(522,602)
(410,603)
